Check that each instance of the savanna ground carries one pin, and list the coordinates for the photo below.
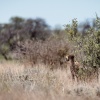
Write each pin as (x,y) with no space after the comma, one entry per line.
(40,83)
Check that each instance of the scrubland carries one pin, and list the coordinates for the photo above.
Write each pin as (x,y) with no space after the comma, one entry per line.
(33,64)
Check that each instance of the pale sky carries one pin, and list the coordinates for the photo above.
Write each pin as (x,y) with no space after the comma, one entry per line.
(54,12)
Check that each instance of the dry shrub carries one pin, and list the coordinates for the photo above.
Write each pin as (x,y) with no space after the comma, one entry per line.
(51,51)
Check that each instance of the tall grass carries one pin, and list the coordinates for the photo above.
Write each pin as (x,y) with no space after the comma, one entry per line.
(40,83)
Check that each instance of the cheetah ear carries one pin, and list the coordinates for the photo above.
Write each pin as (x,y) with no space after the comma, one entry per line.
(67,57)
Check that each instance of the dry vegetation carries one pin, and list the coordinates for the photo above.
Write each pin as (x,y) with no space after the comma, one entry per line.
(50,52)
(36,68)
(40,83)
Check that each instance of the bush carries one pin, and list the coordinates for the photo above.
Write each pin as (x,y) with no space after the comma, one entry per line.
(86,46)
(50,52)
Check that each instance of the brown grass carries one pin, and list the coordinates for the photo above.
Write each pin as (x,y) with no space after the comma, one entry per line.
(40,83)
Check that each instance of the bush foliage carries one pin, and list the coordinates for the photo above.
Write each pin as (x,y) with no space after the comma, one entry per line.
(85,45)
(49,52)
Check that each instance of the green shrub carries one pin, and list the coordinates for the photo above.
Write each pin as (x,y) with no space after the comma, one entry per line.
(85,46)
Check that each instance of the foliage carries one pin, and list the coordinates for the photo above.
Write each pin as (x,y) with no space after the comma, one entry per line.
(49,52)
(85,46)
(18,30)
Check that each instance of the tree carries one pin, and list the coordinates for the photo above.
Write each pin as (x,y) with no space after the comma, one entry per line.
(19,30)
(86,46)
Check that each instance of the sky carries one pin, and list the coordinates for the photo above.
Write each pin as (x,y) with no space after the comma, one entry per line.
(54,12)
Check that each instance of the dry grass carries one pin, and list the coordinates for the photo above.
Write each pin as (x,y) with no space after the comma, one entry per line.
(40,83)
